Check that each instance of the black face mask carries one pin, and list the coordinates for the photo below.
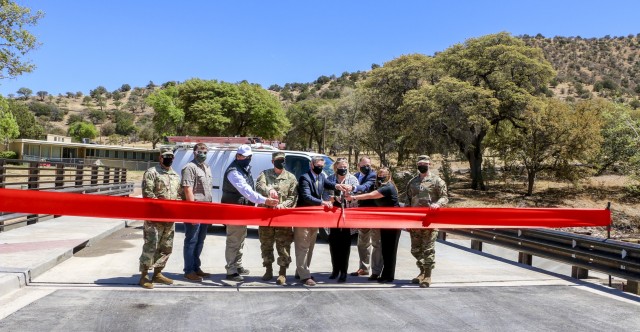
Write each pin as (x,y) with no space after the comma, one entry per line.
(279,164)
(380,181)
(317,169)
(244,163)
(341,171)
(365,169)
(166,162)
(423,169)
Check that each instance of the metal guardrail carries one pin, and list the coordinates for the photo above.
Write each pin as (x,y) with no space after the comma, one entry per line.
(62,177)
(582,252)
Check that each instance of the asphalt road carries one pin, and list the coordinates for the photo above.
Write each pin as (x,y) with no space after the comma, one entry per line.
(96,290)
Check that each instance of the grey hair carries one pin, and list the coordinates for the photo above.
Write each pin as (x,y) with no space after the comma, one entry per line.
(316,159)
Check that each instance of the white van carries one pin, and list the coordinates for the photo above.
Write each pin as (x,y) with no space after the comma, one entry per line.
(219,158)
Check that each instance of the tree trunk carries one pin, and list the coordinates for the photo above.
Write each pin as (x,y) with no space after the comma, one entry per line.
(531,177)
(475,163)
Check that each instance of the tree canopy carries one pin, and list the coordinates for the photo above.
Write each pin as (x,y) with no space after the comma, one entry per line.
(213,108)
(8,126)
(80,130)
(16,40)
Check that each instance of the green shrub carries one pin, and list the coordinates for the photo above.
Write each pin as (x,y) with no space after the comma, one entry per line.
(8,155)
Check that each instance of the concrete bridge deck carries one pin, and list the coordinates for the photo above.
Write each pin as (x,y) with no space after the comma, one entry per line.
(96,289)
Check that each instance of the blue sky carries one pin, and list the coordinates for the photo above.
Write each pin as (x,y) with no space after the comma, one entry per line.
(90,43)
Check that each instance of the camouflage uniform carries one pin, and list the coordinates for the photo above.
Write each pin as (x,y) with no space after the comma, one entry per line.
(158,183)
(422,193)
(286,185)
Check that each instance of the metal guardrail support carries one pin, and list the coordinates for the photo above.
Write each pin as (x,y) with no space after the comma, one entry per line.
(582,252)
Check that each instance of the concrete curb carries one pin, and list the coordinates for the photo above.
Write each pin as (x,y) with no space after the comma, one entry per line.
(14,278)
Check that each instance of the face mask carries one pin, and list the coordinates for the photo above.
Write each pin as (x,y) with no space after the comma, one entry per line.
(317,169)
(279,164)
(365,169)
(201,156)
(244,163)
(167,162)
(423,169)
(380,180)
(341,171)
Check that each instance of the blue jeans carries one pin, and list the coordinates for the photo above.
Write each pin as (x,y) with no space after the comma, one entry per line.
(194,235)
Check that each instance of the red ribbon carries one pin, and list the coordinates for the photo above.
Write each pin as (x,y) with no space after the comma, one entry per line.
(56,203)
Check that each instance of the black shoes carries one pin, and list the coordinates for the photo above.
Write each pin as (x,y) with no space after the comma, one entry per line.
(333,275)
(373,277)
(343,277)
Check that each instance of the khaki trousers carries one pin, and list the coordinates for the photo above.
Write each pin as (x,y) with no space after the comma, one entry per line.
(233,251)
(304,239)
(370,260)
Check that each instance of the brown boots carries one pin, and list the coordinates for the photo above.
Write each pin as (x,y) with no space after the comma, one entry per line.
(424,278)
(282,276)
(419,278)
(268,275)
(144,281)
(159,278)
(426,281)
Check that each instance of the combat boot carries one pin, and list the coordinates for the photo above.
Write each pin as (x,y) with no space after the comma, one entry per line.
(268,275)
(419,278)
(158,277)
(426,282)
(144,281)
(282,276)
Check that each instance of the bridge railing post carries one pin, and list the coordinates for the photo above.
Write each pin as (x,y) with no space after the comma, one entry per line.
(579,273)
(476,245)
(524,258)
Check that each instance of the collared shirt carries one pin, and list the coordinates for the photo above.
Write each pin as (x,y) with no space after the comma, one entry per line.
(198,177)
(238,182)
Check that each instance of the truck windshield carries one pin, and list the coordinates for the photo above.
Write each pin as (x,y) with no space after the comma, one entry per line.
(328,166)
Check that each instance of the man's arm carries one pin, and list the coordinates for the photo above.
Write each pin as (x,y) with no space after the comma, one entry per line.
(442,191)
(292,196)
(238,181)
(261,184)
(188,193)
(367,185)
(148,184)
(304,192)
(407,200)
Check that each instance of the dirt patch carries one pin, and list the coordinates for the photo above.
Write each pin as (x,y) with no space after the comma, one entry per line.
(593,192)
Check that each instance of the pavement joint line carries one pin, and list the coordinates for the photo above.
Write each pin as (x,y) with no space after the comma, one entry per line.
(39,268)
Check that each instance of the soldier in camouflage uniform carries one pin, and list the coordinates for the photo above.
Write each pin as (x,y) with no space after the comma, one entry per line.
(159,182)
(277,183)
(425,190)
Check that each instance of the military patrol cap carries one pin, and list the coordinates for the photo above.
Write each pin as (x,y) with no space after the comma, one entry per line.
(277,155)
(166,151)
(424,158)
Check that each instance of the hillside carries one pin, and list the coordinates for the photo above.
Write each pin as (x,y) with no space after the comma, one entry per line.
(608,67)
